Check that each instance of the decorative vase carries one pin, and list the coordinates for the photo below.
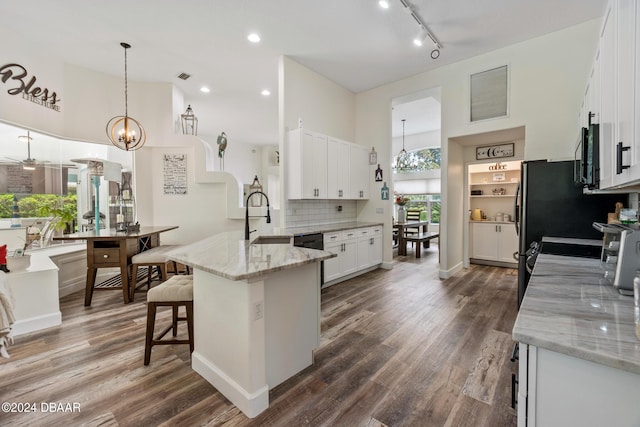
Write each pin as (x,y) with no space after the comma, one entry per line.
(402,213)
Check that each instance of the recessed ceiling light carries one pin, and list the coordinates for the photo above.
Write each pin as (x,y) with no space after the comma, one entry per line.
(253,38)
(266,92)
(205,89)
(383,4)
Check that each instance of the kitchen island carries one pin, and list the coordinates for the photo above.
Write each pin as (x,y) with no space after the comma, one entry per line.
(579,352)
(256,312)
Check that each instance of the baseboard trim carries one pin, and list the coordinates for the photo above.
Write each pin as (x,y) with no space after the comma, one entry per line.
(251,404)
(32,324)
(445,274)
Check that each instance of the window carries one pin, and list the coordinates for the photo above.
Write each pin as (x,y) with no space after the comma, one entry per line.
(419,160)
(430,203)
(52,190)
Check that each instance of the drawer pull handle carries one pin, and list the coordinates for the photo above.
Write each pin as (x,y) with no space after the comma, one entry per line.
(105,256)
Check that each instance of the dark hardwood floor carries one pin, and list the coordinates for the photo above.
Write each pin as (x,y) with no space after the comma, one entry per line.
(399,348)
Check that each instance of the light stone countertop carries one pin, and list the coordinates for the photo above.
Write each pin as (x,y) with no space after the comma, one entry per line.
(570,308)
(328,228)
(230,256)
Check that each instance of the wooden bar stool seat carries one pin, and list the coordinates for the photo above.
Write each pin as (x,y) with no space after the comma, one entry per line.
(154,257)
(175,292)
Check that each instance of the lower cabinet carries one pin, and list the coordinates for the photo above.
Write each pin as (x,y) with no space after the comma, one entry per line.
(356,249)
(493,242)
(555,389)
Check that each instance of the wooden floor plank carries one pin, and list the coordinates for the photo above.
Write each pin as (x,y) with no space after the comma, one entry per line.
(399,347)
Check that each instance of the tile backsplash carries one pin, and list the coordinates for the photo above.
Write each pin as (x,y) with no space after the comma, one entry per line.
(312,212)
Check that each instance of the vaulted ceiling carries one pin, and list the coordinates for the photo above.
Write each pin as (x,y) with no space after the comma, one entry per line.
(354,43)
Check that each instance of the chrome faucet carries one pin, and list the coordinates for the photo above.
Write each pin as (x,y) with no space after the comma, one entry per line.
(246,217)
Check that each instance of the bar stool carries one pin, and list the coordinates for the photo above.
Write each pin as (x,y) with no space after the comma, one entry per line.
(174,293)
(154,257)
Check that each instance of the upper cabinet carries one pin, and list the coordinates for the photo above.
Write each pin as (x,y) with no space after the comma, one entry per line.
(307,165)
(339,169)
(322,167)
(359,157)
(616,75)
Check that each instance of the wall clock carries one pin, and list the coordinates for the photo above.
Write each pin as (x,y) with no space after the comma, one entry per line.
(494,151)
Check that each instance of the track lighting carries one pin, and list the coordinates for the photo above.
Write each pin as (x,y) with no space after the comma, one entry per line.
(423,30)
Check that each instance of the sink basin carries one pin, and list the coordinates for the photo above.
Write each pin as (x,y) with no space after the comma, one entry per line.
(272,240)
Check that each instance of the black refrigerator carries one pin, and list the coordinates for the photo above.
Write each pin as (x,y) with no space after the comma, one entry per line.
(550,204)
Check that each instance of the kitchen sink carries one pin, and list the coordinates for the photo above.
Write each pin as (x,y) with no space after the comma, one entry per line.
(272,240)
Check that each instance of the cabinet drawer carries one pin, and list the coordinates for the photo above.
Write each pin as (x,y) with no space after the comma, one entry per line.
(375,231)
(363,232)
(349,234)
(106,255)
(332,237)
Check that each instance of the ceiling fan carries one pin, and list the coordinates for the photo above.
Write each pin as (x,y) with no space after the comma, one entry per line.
(27,164)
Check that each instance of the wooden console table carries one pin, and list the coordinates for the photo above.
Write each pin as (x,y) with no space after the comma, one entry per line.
(109,248)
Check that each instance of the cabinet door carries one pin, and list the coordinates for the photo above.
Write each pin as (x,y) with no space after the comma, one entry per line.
(375,247)
(628,170)
(350,256)
(507,243)
(338,168)
(364,247)
(485,241)
(359,172)
(607,98)
(314,166)
(333,266)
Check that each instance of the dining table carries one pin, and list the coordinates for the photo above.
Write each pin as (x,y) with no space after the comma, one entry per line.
(402,229)
(108,248)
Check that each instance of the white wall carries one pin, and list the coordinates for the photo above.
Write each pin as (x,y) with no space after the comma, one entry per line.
(324,107)
(548,76)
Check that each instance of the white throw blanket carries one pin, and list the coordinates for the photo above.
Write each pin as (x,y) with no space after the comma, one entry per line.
(6,315)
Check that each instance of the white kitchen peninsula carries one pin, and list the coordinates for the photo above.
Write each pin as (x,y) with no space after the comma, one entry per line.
(256,313)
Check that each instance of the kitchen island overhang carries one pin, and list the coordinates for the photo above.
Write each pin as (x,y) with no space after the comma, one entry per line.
(256,314)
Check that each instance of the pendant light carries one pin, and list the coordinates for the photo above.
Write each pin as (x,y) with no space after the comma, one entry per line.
(126,132)
(189,122)
(402,160)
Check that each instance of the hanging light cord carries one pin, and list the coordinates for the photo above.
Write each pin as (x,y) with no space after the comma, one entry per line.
(126,83)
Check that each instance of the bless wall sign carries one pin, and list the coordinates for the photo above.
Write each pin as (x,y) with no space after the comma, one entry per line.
(16,77)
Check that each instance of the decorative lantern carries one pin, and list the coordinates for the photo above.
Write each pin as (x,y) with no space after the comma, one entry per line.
(256,200)
(189,122)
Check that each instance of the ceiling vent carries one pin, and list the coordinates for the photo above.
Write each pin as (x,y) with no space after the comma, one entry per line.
(489,94)
(184,76)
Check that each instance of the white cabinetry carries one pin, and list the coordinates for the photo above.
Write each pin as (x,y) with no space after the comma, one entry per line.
(618,63)
(356,249)
(607,68)
(627,166)
(307,165)
(339,169)
(493,242)
(344,245)
(359,160)
(369,246)
(322,167)
(560,390)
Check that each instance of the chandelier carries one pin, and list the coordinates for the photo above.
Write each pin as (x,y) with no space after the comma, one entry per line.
(126,132)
